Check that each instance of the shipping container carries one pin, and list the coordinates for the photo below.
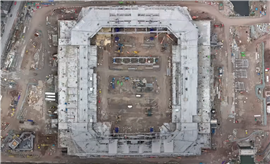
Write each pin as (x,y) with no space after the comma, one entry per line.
(49,93)
(138,96)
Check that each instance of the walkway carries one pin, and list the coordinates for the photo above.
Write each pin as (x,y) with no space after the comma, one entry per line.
(261,87)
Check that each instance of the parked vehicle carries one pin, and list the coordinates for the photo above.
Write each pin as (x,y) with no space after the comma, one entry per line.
(112,82)
(2,146)
(220,71)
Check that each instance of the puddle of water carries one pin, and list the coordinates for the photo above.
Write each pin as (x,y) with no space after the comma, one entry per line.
(241,7)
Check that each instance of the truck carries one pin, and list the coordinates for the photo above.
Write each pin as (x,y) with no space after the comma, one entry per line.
(112,82)
(268,109)
(31,121)
(221,7)
(218,25)
(116,129)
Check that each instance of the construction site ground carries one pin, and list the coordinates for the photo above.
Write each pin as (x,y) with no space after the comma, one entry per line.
(244,111)
(257,8)
(113,106)
(23,90)
(247,114)
(267,62)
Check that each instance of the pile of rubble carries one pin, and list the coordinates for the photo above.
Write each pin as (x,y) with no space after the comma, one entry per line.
(228,8)
(225,7)
(68,11)
(35,94)
(258,8)
(259,30)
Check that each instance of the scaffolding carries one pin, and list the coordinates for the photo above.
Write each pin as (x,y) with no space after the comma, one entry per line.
(241,73)
(239,86)
(241,63)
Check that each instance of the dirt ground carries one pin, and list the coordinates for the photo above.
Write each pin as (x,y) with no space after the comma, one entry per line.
(267,54)
(246,103)
(257,8)
(23,91)
(113,106)
(226,127)
(32,53)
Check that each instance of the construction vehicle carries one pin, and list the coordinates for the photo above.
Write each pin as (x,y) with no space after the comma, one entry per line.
(149,112)
(221,7)
(116,129)
(120,48)
(218,25)
(43,145)
(112,82)
(118,118)
(31,121)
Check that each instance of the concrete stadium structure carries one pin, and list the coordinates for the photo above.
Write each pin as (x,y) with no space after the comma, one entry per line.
(189,131)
